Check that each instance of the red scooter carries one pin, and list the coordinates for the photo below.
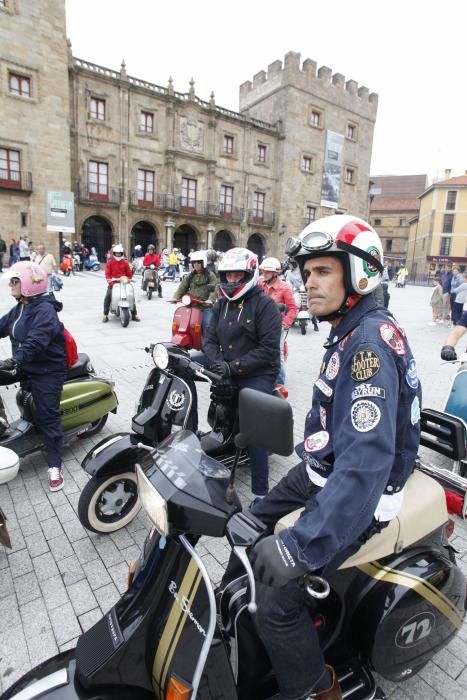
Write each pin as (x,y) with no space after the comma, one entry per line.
(187,324)
(66,266)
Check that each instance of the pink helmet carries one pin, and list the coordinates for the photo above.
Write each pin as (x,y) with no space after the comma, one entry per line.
(32,276)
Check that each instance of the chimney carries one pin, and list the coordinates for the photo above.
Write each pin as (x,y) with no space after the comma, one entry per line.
(447,173)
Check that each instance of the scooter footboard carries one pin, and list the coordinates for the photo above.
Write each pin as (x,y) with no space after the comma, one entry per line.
(114,454)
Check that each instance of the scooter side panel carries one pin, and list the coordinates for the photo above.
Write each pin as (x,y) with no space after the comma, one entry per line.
(456,403)
(85,402)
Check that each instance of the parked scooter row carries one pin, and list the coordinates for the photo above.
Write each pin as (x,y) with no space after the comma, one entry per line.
(388,609)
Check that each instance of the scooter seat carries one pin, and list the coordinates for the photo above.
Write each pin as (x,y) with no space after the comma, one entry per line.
(80,368)
(423,511)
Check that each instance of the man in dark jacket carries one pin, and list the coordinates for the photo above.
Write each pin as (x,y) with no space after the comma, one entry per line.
(243,340)
(38,355)
(360,444)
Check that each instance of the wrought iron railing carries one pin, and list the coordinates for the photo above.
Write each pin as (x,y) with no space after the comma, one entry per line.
(91,193)
(264,218)
(177,203)
(15,180)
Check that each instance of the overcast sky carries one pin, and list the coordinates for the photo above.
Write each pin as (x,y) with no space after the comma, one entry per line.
(410,52)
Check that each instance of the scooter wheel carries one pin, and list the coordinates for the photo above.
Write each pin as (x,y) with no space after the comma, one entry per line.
(124,317)
(107,505)
(94,428)
(149,293)
(95,268)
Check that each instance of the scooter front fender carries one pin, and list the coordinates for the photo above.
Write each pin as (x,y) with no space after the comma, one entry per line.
(55,679)
(115,454)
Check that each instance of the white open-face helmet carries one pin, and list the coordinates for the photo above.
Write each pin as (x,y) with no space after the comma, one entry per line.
(270,265)
(117,250)
(238,260)
(350,239)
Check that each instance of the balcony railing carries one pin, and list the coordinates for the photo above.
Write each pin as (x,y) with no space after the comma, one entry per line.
(111,195)
(15,180)
(176,203)
(263,218)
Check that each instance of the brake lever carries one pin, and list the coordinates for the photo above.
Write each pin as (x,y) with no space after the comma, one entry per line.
(240,552)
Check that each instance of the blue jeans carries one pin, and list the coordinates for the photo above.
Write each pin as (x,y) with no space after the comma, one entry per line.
(258,457)
(207,315)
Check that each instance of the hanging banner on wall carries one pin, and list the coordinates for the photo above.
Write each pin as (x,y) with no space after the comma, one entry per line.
(61,211)
(332,170)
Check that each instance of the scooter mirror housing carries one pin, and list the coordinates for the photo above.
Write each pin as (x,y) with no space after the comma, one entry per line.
(265,421)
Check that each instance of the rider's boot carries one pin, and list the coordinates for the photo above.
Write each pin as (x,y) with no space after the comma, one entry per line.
(135,317)
(332,693)
(105,318)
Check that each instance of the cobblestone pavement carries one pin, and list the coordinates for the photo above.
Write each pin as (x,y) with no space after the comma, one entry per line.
(59,579)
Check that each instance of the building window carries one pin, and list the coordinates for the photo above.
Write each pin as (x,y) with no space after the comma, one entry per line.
(228,144)
(349,176)
(448,223)
(388,245)
(146,122)
(97,109)
(189,194)
(10,174)
(145,187)
(226,201)
(24,219)
(351,132)
(306,164)
(451,200)
(261,153)
(376,222)
(310,214)
(316,118)
(98,181)
(19,85)
(445,246)
(258,205)
(403,222)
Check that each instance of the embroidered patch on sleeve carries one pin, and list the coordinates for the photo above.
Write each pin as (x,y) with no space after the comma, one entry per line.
(392,338)
(365,364)
(365,416)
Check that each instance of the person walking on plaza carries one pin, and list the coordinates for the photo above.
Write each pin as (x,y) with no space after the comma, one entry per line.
(24,250)
(359,447)
(402,275)
(242,342)
(2,252)
(201,284)
(446,279)
(456,307)
(38,355)
(14,251)
(116,268)
(448,351)
(436,302)
(47,262)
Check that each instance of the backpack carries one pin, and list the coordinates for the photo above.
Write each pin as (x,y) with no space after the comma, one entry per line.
(71,349)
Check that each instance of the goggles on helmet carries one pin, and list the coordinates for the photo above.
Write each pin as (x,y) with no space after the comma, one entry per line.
(313,241)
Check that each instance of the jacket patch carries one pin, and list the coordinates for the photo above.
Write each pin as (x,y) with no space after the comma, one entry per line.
(322,416)
(365,416)
(317,441)
(322,386)
(415,411)
(392,337)
(333,366)
(411,376)
(365,364)
(363,390)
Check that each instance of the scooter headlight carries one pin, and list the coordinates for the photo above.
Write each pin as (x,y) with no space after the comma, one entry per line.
(186,300)
(152,502)
(160,355)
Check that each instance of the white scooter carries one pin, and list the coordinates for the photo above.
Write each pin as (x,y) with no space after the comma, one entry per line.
(123,299)
(9,467)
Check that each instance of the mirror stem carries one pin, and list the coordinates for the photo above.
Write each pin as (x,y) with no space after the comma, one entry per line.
(230,493)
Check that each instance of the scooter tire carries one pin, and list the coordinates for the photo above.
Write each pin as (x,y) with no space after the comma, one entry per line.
(303,325)
(92,503)
(94,428)
(149,293)
(95,268)
(125,317)
(67,273)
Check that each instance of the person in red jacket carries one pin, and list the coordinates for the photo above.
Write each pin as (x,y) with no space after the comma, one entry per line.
(151,258)
(280,291)
(117,266)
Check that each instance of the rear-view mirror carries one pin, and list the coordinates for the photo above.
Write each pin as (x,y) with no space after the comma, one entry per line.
(265,421)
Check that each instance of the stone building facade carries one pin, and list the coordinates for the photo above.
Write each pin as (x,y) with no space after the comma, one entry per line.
(35,115)
(149,164)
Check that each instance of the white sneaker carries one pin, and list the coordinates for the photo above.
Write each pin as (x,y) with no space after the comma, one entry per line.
(56,479)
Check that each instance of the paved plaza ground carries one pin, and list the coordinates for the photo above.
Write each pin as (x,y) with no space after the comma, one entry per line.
(59,579)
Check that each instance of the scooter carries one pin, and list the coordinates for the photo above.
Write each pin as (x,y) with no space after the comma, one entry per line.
(187,324)
(123,299)
(85,404)
(66,266)
(77,262)
(92,263)
(150,281)
(456,403)
(168,403)
(389,608)
(303,317)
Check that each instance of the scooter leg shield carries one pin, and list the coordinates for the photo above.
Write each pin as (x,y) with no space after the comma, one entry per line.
(114,455)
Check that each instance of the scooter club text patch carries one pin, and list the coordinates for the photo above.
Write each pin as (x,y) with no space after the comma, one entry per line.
(365,364)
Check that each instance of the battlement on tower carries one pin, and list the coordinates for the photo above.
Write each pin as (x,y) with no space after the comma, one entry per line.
(321,82)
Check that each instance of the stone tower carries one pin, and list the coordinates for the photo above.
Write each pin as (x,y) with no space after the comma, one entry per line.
(35,106)
(307,104)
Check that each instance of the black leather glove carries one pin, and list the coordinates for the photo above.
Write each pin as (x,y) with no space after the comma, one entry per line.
(273,564)
(220,368)
(448,353)
(223,390)
(8,365)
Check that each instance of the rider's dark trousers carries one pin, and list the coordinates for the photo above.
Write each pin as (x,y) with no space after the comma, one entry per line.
(46,391)
(283,620)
